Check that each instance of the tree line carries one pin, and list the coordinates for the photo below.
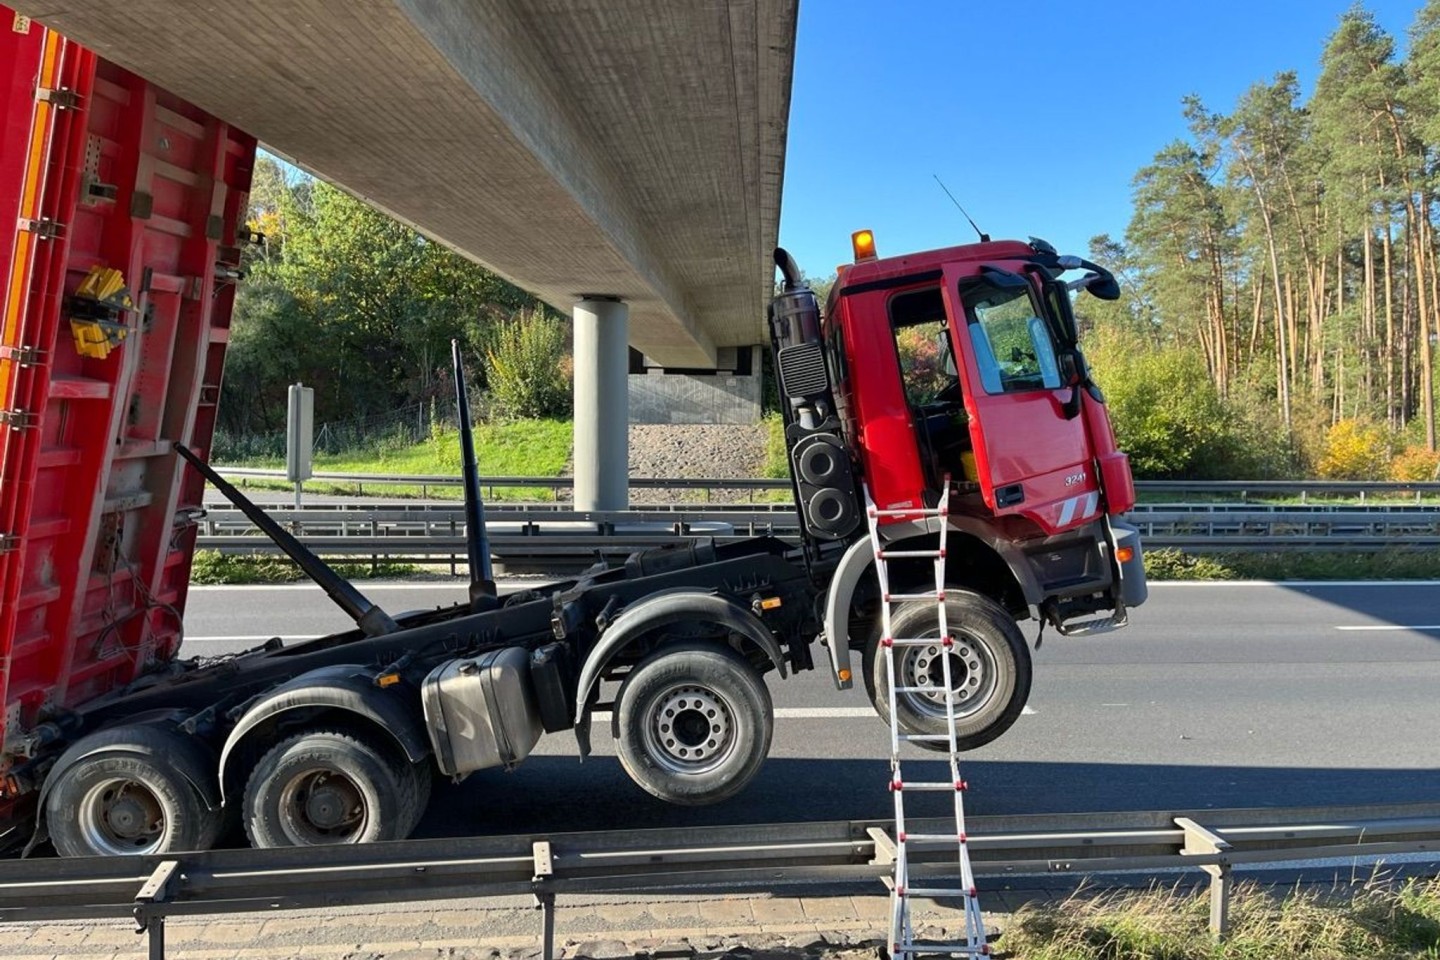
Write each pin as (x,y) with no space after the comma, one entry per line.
(362,308)
(1282,293)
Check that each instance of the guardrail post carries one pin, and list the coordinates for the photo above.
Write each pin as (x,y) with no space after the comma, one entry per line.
(148,920)
(1199,840)
(544,896)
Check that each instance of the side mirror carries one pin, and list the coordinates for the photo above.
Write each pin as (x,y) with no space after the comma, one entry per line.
(1103,285)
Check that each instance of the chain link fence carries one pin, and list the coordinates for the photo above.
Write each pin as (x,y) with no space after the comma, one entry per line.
(393,430)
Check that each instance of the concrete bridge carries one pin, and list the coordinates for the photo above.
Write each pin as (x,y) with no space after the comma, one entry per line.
(622,159)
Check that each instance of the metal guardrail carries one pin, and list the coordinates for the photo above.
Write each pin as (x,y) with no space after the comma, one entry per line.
(555,532)
(1242,489)
(738,859)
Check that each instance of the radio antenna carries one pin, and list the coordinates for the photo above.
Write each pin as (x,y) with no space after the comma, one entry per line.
(984,237)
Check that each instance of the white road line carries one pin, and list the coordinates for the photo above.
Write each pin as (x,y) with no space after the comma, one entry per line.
(1153,584)
(808,713)
(459,586)
(1028,712)
(248,638)
(1389,626)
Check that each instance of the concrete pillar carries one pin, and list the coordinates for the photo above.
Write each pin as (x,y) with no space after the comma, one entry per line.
(602,409)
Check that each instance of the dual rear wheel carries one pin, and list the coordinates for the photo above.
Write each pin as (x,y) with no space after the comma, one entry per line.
(316,787)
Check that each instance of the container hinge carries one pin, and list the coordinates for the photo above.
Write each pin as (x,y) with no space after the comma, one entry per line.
(45,229)
(9,543)
(18,419)
(22,355)
(60,98)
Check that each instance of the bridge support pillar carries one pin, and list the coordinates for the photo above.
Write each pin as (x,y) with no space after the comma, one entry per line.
(602,408)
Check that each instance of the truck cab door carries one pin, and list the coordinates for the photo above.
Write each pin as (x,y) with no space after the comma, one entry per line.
(1031,459)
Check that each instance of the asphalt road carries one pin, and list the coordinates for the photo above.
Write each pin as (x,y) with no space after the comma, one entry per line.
(1216,695)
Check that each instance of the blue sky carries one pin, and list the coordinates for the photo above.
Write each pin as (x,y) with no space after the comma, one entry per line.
(1036,114)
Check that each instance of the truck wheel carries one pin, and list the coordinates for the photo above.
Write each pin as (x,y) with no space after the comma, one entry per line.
(115,803)
(326,787)
(989,669)
(694,724)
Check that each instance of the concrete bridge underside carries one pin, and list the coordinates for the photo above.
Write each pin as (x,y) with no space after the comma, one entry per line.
(627,150)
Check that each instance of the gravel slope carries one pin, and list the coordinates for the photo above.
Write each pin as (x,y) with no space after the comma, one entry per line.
(695,451)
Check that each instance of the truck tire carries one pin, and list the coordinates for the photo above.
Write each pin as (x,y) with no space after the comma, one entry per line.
(116,803)
(326,787)
(989,662)
(694,724)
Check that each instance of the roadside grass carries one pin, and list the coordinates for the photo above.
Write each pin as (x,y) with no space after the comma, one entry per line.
(523,448)
(777,461)
(1173,564)
(1260,499)
(1372,919)
(213,567)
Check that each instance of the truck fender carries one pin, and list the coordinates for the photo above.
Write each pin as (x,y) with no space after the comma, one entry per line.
(190,756)
(346,687)
(658,610)
(858,560)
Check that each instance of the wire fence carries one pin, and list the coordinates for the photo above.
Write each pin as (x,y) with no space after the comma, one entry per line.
(375,433)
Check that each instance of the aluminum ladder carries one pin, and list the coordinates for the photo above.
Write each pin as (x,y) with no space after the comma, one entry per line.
(902,943)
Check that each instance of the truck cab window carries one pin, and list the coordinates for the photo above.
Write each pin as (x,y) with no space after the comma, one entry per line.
(932,383)
(1013,345)
(922,345)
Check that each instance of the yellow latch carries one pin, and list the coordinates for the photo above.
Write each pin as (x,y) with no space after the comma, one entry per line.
(95,312)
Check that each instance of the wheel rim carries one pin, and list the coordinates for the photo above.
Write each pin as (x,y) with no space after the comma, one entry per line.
(121,816)
(973,676)
(689,729)
(322,806)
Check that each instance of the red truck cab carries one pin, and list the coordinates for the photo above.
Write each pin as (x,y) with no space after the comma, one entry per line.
(963,363)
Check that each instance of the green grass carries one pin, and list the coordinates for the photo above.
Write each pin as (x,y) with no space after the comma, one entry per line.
(1371,920)
(777,461)
(213,567)
(1173,564)
(528,448)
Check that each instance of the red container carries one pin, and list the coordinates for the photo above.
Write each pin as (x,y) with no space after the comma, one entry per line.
(97,515)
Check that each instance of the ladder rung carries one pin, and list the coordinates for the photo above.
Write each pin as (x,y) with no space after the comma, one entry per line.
(954,949)
(914,642)
(933,838)
(908,512)
(910,554)
(938,892)
(938,691)
(932,786)
(936,595)
(924,737)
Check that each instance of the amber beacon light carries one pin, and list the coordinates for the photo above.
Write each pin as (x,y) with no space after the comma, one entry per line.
(863,243)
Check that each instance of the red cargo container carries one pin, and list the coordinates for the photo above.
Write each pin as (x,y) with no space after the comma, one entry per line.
(101,169)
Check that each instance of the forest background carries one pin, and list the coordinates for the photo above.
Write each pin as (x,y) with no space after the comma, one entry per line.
(1280,315)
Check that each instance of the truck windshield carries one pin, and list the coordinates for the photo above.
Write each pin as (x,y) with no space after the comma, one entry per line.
(1013,346)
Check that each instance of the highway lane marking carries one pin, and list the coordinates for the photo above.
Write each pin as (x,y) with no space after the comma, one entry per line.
(460,585)
(248,638)
(1390,626)
(811,713)
(1292,583)
(455,586)
(789,713)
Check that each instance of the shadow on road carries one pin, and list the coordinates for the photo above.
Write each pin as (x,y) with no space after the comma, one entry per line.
(559,793)
(1380,603)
